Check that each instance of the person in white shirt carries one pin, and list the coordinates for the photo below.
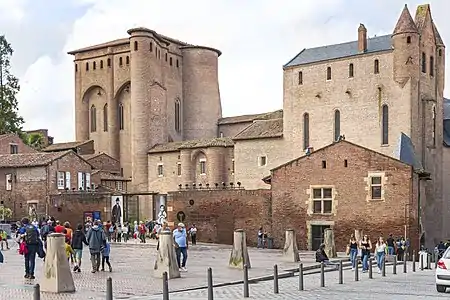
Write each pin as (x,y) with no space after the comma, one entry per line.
(380,252)
(193,234)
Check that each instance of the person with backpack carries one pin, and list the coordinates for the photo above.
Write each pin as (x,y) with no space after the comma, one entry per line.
(96,239)
(29,246)
(78,239)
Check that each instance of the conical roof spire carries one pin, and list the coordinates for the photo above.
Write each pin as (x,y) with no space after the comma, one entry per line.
(405,23)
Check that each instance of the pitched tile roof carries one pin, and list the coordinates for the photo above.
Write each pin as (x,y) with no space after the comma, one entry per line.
(438,37)
(325,53)
(421,15)
(105,175)
(251,118)
(176,146)
(92,156)
(262,129)
(65,146)
(29,159)
(405,23)
(7,135)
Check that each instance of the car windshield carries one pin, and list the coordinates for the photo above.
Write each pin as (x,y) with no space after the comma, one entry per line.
(446,254)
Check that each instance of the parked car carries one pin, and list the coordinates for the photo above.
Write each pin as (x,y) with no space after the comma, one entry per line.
(443,272)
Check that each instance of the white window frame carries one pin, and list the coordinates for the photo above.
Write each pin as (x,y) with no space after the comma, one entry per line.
(8,180)
(179,169)
(160,170)
(202,166)
(87,181)
(119,185)
(260,161)
(80,181)
(372,185)
(67,180)
(322,199)
(61,180)
(11,145)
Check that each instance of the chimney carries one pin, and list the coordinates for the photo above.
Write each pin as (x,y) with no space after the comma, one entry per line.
(362,38)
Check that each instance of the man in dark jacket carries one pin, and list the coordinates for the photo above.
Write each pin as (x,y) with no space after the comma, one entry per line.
(96,239)
(322,257)
(78,239)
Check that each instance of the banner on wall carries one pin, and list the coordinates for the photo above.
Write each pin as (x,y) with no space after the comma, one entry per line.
(117,210)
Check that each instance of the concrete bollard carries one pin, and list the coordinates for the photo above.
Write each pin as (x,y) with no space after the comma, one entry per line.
(394,266)
(421,262)
(239,254)
(165,286)
(275,279)
(357,271)
(210,285)
(341,273)
(370,269)
(36,292)
(414,262)
(109,289)
(246,291)
(301,286)
(383,267)
(57,274)
(405,265)
(322,274)
(290,250)
(166,259)
(429,262)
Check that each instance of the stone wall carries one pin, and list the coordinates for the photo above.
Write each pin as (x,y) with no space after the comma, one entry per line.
(217,213)
(7,140)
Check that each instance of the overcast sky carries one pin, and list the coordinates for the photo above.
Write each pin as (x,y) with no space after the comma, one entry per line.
(256,37)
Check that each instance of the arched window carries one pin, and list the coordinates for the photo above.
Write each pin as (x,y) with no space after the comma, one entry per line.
(329,73)
(120,61)
(93,119)
(76,68)
(109,62)
(440,52)
(350,70)
(170,61)
(300,78)
(178,64)
(305,131)
(431,66)
(177,115)
(105,117)
(87,66)
(127,60)
(166,56)
(101,64)
(94,65)
(136,45)
(376,66)
(337,125)
(385,124)
(424,62)
(121,117)
(151,47)
(408,40)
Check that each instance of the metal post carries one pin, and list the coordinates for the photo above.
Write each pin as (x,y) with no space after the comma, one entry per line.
(436,258)
(246,292)
(414,262)
(370,269)
(165,286)
(210,285)
(322,274)
(275,279)
(341,273)
(109,291)
(421,262)
(37,292)
(405,265)
(300,277)
(394,266)
(383,267)
(428,261)
(356,271)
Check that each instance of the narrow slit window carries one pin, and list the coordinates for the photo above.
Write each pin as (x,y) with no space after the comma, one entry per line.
(350,70)
(376,66)
(329,73)
(300,78)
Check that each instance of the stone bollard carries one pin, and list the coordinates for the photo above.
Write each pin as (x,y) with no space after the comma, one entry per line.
(166,259)
(290,250)
(57,274)
(330,248)
(239,254)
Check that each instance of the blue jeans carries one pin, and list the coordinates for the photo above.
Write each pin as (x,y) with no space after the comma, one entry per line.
(181,251)
(260,243)
(353,257)
(30,259)
(380,259)
(391,250)
(365,261)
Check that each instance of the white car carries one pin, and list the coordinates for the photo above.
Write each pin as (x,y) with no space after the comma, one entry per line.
(443,272)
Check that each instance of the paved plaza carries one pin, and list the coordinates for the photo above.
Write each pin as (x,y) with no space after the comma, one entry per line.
(133,278)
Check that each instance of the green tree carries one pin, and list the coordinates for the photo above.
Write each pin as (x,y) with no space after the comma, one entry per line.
(5,213)
(10,121)
(34,140)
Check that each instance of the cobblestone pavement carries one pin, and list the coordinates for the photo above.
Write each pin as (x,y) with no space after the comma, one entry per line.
(410,286)
(133,272)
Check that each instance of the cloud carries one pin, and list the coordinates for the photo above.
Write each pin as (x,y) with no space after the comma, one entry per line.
(12,10)
(256,37)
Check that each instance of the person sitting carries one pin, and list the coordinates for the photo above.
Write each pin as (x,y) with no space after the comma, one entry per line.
(322,257)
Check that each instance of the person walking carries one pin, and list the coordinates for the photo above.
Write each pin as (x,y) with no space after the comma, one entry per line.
(366,247)
(181,246)
(96,239)
(380,252)
(390,243)
(193,234)
(78,239)
(105,257)
(353,251)
(30,236)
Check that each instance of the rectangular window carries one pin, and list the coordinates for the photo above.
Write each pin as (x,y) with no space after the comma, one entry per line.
(119,185)
(13,149)
(232,166)
(262,161)
(424,62)
(80,181)
(431,66)
(322,200)
(375,187)
(160,170)
(202,167)
(8,182)
(300,78)
(67,180)
(61,180)
(179,169)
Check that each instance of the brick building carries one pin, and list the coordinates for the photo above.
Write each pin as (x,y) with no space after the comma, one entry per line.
(342,186)
(13,144)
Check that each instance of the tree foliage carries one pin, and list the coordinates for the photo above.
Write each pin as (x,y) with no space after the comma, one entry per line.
(10,120)
(5,212)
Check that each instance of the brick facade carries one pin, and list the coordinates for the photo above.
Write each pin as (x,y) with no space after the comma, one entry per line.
(104,162)
(7,141)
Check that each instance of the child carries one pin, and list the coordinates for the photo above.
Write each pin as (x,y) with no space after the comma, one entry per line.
(105,257)
(69,250)
(78,239)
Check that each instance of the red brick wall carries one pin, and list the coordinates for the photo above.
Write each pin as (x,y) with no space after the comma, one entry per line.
(14,139)
(290,185)
(105,162)
(218,213)
(87,148)
(69,163)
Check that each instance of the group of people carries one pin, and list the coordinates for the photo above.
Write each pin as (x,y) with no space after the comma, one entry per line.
(32,240)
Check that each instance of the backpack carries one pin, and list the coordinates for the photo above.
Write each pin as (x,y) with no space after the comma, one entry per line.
(111,229)
(31,235)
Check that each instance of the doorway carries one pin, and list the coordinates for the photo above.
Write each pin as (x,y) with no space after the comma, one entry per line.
(317,235)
